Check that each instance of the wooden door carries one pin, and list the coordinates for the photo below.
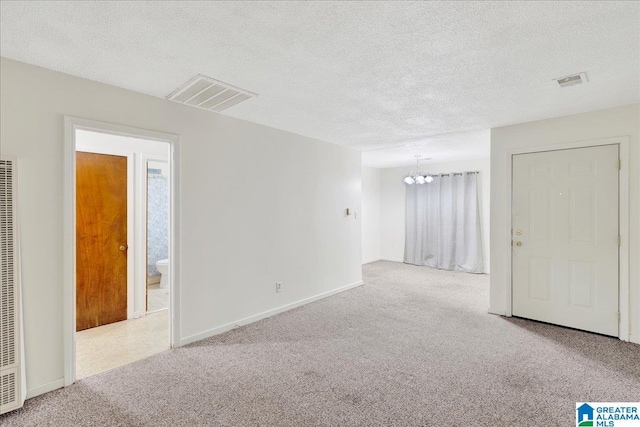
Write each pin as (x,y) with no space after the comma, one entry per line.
(565,233)
(101,239)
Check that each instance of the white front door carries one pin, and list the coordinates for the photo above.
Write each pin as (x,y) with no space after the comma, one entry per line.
(565,237)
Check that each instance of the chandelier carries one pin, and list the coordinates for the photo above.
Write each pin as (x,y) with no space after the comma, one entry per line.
(417,177)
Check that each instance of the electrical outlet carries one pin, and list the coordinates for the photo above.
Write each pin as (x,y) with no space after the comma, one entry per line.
(278,286)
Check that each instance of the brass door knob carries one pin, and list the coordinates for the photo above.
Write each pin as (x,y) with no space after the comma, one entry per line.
(518,243)
(122,248)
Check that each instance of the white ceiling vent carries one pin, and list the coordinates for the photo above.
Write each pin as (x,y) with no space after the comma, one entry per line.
(572,80)
(210,94)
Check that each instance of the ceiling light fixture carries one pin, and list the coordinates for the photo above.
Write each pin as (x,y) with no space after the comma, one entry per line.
(417,177)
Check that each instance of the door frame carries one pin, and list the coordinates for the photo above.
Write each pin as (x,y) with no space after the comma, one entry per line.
(623,221)
(71,125)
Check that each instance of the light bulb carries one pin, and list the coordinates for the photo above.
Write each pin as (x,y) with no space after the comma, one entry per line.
(408,180)
(429,178)
(420,179)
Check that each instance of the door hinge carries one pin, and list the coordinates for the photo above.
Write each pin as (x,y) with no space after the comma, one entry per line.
(618,317)
(619,241)
(619,164)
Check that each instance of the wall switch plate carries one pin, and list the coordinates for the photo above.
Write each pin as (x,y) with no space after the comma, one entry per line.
(278,286)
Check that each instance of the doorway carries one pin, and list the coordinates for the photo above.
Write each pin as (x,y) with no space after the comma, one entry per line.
(107,318)
(565,220)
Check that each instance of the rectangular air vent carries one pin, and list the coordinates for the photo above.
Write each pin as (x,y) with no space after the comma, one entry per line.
(12,390)
(572,80)
(210,94)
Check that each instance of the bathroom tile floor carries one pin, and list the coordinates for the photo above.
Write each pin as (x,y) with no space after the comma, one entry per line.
(106,347)
(157,298)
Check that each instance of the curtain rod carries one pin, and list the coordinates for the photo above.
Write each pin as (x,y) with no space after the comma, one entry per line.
(453,173)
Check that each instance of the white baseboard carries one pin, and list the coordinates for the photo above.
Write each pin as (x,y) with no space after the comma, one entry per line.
(45,388)
(369,261)
(393,259)
(137,314)
(247,320)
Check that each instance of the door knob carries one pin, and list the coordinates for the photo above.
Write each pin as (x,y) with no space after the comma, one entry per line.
(518,243)
(518,232)
(122,248)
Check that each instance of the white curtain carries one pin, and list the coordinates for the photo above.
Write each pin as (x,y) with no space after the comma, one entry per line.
(443,224)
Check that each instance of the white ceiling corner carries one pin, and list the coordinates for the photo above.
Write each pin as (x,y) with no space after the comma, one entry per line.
(388,78)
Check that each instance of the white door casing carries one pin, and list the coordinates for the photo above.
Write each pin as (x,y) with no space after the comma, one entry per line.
(72,124)
(565,216)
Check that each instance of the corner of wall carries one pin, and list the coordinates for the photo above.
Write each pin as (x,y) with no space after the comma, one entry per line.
(45,388)
(496,311)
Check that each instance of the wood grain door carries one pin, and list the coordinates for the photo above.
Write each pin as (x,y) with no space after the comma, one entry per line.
(101,239)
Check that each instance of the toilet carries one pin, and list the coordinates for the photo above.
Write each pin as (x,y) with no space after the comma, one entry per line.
(163,267)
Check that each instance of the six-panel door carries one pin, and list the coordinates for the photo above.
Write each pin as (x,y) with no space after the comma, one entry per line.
(565,238)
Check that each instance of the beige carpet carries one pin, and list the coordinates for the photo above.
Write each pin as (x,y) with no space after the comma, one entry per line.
(413,347)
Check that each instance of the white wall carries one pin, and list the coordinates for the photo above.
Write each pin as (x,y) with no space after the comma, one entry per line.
(581,127)
(254,209)
(370,215)
(95,142)
(393,203)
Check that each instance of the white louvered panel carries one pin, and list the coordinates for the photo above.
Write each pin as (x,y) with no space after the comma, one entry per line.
(10,348)
(7,292)
(8,389)
(210,94)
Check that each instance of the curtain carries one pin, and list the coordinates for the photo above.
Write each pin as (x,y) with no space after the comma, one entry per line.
(443,224)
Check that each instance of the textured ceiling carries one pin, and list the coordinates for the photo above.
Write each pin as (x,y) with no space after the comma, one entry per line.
(366,75)
(434,149)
